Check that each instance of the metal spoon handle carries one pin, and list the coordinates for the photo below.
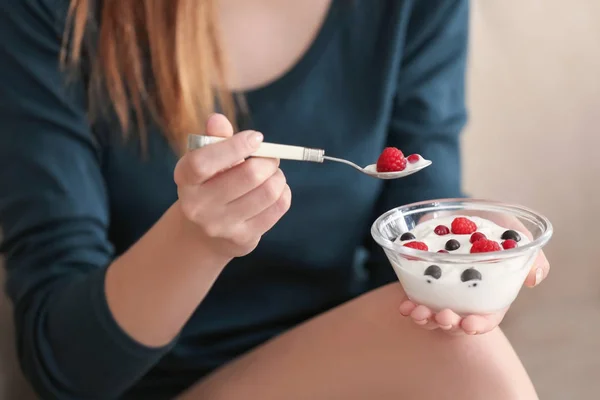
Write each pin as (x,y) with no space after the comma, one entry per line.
(267,150)
(341,160)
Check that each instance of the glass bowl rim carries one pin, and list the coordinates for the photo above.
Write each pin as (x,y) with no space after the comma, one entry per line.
(467,204)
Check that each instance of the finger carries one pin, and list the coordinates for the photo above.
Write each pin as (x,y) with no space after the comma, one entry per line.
(219,125)
(199,165)
(448,319)
(421,315)
(539,271)
(241,179)
(430,325)
(268,218)
(478,324)
(455,332)
(258,199)
(407,307)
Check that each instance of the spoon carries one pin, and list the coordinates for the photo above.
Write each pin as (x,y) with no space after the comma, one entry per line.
(298,153)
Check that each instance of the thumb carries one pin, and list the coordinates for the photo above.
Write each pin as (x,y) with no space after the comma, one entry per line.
(219,125)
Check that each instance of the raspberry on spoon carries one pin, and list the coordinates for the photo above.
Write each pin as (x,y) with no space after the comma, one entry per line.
(413,158)
(391,160)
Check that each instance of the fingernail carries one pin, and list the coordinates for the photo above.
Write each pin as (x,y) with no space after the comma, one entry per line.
(471,333)
(421,321)
(255,137)
(446,327)
(539,275)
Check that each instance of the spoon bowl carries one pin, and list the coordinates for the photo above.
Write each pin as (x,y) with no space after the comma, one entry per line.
(371,169)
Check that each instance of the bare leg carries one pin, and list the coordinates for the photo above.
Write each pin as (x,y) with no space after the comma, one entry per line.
(366,350)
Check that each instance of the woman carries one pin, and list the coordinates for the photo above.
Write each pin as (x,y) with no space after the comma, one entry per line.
(139,271)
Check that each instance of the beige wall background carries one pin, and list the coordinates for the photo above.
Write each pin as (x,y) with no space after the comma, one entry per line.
(534,94)
(534,135)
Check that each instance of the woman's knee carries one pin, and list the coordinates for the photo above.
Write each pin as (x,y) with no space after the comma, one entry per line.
(478,367)
(434,362)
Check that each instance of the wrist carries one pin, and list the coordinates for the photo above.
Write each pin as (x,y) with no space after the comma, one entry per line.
(192,241)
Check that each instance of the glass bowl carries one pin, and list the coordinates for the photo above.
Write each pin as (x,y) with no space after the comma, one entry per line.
(501,274)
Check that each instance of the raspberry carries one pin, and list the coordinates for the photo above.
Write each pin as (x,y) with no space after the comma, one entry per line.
(442,251)
(463,226)
(417,246)
(441,230)
(391,160)
(509,244)
(485,246)
(413,158)
(477,236)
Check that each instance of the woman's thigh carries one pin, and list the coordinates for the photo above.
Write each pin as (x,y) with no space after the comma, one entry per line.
(364,349)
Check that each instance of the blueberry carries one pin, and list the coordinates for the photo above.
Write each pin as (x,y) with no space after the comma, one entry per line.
(452,245)
(434,271)
(512,235)
(470,274)
(407,236)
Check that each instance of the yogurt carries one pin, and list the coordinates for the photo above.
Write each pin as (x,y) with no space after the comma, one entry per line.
(465,288)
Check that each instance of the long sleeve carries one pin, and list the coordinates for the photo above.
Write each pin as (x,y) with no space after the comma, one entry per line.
(429,111)
(54,216)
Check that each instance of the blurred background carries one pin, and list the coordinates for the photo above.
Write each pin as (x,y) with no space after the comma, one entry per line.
(533,138)
(534,96)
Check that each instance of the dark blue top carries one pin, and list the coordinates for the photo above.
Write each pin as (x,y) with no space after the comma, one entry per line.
(72,196)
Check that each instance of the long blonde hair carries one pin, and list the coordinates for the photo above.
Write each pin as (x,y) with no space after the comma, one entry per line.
(185,76)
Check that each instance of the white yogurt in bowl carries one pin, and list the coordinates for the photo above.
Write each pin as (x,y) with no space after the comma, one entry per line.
(465,282)
(464,288)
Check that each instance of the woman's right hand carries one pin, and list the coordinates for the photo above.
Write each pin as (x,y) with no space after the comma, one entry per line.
(231,202)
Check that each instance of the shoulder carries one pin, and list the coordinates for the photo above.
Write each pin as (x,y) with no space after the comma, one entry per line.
(49,8)
(36,94)
(435,13)
(393,25)
(383,15)
(47,16)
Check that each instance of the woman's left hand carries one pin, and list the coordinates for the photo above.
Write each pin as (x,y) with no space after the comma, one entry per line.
(453,324)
